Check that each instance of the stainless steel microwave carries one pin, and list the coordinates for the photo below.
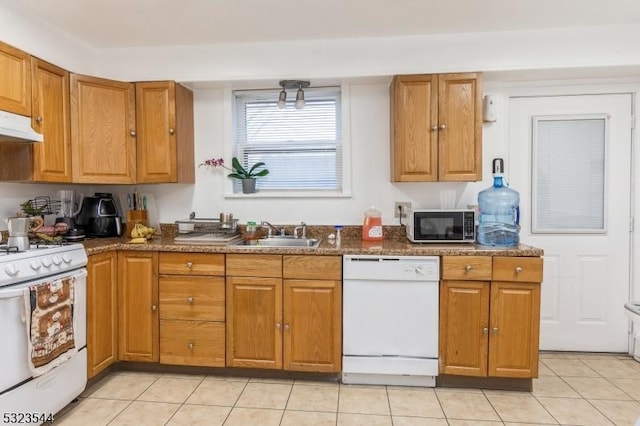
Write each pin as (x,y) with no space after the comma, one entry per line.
(441,226)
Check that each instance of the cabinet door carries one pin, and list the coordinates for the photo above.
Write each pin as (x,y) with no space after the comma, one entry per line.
(164,114)
(102,312)
(15,80)
(460,127)
(254,322)
(138,306)
(464,317)
(102,130)
(514,328)
(312,325)
(50,102)
(414,116)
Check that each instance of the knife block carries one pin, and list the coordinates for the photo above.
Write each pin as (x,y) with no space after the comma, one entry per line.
(133,217)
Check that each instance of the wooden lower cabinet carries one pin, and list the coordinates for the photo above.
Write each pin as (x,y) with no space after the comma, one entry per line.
(254,322)
(464,338)
(102,312)
(288,318)
(312,325)
(192,309)
(490,327)
(138,306)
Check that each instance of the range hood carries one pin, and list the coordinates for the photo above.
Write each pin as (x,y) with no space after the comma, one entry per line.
(17,128)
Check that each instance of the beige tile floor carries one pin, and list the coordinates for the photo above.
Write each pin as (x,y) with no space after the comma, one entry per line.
(573,389)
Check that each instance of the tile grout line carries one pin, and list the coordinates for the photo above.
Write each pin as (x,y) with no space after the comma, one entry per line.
(587,400)
(185,400)
(286,403)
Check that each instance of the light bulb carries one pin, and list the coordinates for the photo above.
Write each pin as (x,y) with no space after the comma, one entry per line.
(300,99)
(282,99)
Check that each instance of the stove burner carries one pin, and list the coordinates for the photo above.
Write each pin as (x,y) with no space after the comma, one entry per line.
(5,249)
(41,243)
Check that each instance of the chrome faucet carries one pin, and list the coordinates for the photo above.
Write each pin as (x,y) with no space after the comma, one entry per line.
(302,226)
(270,227)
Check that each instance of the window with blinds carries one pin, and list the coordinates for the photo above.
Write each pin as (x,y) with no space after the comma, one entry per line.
(569,181)
(302,148)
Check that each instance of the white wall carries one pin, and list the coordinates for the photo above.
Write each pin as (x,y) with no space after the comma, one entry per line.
(508,50)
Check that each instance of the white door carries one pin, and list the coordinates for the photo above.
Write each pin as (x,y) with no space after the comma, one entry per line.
(570,159)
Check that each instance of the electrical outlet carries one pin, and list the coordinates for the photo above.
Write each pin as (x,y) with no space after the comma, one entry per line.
(406,206)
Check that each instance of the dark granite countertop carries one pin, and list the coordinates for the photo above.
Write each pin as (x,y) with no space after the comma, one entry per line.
(396,246)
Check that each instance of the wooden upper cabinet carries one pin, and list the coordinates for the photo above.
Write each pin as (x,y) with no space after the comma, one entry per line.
(436,129)
(50,104)
(15,80)
(102,130)
(460,127)
(164,114)
(414,109)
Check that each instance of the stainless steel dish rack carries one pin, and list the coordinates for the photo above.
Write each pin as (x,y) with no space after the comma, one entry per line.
(203,231)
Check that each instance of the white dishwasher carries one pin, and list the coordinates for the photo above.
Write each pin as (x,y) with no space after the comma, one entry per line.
(390,320)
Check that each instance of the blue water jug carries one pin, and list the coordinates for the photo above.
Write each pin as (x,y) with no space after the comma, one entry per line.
(499,221)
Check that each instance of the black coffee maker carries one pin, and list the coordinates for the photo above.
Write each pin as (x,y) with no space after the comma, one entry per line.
(100,216)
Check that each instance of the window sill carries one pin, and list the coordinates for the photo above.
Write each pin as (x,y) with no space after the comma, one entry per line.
(290,194)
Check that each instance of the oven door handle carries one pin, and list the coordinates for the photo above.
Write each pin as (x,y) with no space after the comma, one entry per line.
(11,294)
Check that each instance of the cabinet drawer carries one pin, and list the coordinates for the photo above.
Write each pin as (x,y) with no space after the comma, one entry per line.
(191,263)
(466,268)
(313,267)
(192,343)
(254,265)
(523,269)
(192,298)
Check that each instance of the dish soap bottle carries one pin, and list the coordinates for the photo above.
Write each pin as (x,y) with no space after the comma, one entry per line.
(372,227)
(499,223)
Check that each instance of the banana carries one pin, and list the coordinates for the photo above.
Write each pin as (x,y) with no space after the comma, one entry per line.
(141,231)
(138,240)
(44,236)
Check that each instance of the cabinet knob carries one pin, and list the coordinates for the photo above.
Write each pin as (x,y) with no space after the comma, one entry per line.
(190,346)
(468,268)
(189,265)
(485,330)
(172,131)
(434,128)
(39,119)
(286,326)
(518,269)
(132,132)
(278,325)
(154,308)
(190,300)
(443,126)
(495,330)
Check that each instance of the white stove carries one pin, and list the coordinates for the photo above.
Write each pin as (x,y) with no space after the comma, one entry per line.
(41,260)
(22,390)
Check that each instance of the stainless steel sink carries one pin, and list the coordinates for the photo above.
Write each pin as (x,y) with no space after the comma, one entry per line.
(283,242)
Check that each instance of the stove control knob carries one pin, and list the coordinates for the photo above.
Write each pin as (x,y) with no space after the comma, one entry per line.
(56,259)
(11,270)
(46,261)
(66,258)
(35,264)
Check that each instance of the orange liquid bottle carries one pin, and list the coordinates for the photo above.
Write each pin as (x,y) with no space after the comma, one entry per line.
(372,227)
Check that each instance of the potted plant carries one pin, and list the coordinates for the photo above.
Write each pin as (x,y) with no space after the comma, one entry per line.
(246,176)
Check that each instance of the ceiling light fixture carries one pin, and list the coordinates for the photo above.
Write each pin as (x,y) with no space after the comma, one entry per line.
(292,84)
